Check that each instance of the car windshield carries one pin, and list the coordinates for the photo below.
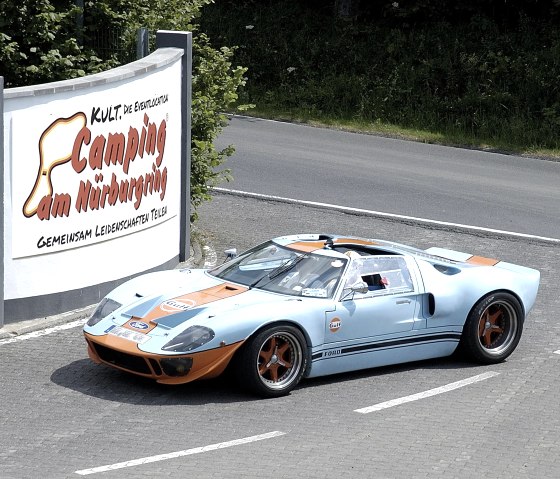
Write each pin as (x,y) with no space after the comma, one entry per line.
(282,270)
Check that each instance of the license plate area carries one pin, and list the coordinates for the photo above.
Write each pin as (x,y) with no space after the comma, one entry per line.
(125,333)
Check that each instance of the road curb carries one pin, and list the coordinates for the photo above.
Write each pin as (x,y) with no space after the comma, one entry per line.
(396,218)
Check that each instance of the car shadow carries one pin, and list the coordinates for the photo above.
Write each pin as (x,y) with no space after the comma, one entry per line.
(453,362)
(110,384)
(106,383)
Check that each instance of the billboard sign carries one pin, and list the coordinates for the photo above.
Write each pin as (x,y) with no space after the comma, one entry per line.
(96,167)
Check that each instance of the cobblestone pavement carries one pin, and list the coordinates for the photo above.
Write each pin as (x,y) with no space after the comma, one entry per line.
(60,413)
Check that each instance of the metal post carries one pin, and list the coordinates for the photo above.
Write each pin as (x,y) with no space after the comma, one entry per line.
(80,22)
(2,200)
(142,43)
(183,40)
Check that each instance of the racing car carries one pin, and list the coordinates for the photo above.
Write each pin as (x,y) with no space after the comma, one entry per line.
(311,305)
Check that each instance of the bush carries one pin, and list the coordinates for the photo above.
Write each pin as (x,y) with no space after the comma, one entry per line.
(38,44)
(484,69)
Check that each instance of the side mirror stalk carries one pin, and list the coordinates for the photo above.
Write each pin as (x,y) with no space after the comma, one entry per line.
(358,287)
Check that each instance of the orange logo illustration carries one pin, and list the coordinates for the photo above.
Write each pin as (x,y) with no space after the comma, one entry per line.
(55,148)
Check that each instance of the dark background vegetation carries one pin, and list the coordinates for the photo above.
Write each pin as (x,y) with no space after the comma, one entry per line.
(482,72)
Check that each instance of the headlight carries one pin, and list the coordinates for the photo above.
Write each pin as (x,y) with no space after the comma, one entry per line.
(104,308)
(191,338)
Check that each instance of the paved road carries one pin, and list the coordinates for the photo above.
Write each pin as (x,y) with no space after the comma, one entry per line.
(394,176)
(61,414)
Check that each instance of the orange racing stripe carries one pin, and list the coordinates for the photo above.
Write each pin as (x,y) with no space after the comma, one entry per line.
(481,261)
(309,246)
(186,302)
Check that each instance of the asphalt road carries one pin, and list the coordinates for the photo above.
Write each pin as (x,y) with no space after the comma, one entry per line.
(60,413)
(471,187)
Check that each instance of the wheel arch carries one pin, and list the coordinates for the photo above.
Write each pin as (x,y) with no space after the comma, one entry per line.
(496,291)
(280,322)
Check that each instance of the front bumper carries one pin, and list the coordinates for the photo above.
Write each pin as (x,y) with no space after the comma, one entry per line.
(123,354)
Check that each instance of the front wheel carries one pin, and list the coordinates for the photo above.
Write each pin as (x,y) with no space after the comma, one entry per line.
(272,363)
(493,328)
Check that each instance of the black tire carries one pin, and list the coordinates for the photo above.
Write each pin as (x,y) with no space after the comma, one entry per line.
(493,328)
(273,361)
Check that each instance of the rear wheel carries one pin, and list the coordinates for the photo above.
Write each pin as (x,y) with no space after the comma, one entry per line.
(493,328)
(272,363)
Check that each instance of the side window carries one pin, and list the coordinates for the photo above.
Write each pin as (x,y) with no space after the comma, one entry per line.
(382,274)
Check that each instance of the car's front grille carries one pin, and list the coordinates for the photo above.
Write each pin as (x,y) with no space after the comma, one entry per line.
(127,361)
(155,366)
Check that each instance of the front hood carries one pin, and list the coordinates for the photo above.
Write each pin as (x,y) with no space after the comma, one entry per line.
(230,310)
(170,310)
(189,298)
(169,283)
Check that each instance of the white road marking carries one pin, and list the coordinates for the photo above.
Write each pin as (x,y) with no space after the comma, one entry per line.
(43,332)
(557,352)
(381,214)
(172,455)
(210,257)
(426,394)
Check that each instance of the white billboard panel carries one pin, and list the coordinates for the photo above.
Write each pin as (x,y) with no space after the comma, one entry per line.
(92,180)
(96,167)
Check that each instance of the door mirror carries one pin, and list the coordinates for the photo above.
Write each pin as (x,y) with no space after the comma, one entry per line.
(230,253)
(358,287)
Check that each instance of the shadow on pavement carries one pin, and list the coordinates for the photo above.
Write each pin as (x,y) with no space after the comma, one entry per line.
(109,384)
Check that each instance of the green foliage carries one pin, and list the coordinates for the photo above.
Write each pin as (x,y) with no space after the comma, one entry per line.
(38,43)
(41,42)
(216,82)
(487,69)
(215,88)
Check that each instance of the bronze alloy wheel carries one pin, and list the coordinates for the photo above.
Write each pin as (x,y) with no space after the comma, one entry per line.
(493,328)
(497,327)
(273,361)
(280,360)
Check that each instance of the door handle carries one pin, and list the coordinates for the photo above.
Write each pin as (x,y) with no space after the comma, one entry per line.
(403,301)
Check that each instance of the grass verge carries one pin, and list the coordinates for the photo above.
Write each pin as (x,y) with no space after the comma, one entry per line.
(456,138)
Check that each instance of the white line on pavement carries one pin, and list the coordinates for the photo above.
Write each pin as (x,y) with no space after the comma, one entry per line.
(43,332)
(385,215)
(172,455)
(210,257)
(426,394)
(557,352)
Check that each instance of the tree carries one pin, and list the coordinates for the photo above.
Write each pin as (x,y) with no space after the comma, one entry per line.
(38,44)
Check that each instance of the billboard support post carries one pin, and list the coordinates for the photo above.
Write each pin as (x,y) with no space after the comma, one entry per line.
(165,39)
(2,199)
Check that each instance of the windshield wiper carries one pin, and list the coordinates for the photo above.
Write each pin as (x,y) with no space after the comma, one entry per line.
(283,268)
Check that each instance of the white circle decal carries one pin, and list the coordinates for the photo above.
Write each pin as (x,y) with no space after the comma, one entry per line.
(176,305)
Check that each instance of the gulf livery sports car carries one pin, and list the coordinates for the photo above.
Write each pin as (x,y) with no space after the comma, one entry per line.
(311,305)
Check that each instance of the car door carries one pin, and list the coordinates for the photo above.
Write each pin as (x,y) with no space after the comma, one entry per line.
(390,306)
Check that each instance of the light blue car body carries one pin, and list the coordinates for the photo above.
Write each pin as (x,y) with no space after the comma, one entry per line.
(421,317)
